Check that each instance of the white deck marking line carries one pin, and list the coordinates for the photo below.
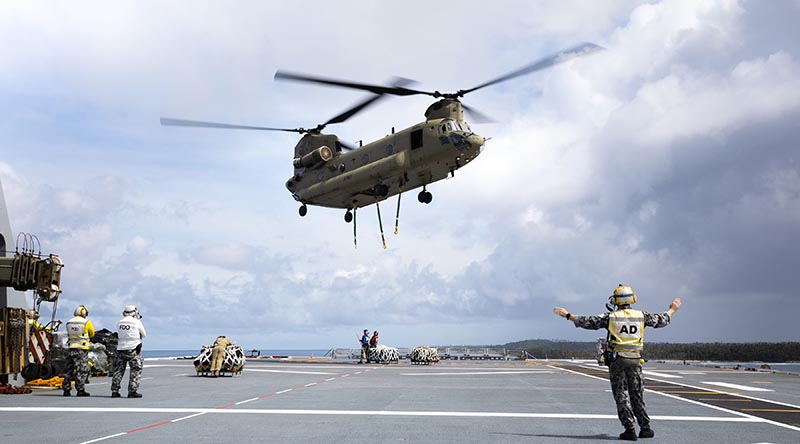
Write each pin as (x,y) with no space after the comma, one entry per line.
(205,411)
(144,379)
(344,376)
(768,421)
(599,367)
(377,413)
(732,412)
(296,372)
(187,417)
(733,394)
(329,366)
(661,375)
(181,374)
(737,386)
(163,365)
(104,438)
(358,373)
(519,372)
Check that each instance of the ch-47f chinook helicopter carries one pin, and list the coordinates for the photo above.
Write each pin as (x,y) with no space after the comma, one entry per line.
(329,173)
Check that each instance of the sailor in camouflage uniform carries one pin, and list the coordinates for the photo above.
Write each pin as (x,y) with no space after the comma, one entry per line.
(130,332)
(79,331)
(625,343)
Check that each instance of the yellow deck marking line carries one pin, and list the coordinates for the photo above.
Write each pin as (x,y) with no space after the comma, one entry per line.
(724,399)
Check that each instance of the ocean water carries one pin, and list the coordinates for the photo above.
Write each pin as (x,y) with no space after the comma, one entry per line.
(266,352)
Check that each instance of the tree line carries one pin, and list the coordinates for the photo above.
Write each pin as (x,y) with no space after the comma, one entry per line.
(697,351)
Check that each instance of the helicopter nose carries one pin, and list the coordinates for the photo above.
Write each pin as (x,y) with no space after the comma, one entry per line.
(476,141)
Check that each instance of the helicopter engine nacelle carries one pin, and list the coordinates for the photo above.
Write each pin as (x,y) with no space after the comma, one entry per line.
(315,158)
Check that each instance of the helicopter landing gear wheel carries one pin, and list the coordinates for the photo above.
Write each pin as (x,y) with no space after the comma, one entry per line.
(348,216)
(382,190)
(425,196)
(303,210)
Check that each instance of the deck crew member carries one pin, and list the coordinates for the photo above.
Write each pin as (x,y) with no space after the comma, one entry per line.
(364,347)
(33,322)
(625,327)
(130,332)
(218,351)
(79,331)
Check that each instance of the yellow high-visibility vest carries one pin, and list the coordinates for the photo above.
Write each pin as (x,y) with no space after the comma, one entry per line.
(78,333)
(627,331)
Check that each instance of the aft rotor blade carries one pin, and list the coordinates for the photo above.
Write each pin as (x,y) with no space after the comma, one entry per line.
(395,82)
(377,89)
(354,110)
(560,57)
(198,124)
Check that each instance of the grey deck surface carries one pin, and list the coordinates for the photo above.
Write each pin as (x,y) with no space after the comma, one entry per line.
(450,402)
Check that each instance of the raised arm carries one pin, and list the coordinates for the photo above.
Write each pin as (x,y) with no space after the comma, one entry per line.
(674,306)
(587,322)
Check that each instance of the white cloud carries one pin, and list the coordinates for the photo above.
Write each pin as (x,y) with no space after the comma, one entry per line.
(666,162)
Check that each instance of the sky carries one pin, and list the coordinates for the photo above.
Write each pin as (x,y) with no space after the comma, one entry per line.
(667,162)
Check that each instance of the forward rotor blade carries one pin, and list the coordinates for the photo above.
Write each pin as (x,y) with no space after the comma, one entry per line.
(346,146)
(477,116)
(166,121)
(377,89)
(560,57)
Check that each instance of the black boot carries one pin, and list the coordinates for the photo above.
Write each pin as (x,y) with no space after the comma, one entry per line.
(115,394)
(83,393)
(134,395)
(646,432)
(67,393)
(628,435)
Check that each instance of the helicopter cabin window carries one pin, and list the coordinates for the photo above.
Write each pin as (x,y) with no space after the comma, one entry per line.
(338,147)
(416,139)
(447,126)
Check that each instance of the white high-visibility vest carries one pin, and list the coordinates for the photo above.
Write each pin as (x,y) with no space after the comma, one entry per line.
(627,331)
(130,332)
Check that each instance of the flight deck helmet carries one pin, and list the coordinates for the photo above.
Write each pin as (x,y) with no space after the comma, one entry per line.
(131,310)
(82,311)
(623,295)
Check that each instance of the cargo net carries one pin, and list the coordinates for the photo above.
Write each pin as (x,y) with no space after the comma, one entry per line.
(424,355)
(383,354)
(233,363)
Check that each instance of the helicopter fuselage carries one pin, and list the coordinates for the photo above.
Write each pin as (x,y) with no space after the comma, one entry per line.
(412,158)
